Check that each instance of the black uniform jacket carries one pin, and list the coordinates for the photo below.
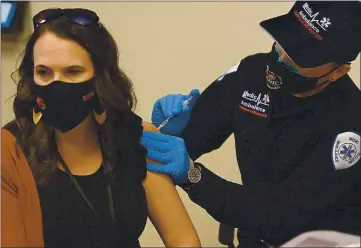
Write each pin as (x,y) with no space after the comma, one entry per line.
(299,158)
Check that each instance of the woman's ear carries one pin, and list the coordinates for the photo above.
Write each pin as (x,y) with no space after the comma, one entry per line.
(340,72)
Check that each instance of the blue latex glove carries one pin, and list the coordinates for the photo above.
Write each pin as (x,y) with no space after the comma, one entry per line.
(171,152)
(171,106)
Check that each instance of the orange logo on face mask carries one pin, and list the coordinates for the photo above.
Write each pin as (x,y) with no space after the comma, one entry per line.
(40,103)
(88,96)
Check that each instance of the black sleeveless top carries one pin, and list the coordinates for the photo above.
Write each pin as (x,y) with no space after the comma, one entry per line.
(69,222)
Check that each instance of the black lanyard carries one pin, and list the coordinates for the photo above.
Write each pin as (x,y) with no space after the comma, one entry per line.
(90,205)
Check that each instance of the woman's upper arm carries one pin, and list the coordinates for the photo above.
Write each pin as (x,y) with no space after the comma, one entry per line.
(166,210)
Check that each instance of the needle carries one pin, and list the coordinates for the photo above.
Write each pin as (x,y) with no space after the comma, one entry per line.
(185,103)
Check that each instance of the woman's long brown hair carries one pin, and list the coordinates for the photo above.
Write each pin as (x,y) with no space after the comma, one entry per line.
(113,87)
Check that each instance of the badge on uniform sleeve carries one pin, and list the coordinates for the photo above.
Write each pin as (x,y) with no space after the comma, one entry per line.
(346,150)
(231,70)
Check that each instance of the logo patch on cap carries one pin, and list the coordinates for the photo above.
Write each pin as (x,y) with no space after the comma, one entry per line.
(346,150)
(273,80)
(311,21)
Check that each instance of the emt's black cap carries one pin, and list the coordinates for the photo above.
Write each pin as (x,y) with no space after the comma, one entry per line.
(316,33)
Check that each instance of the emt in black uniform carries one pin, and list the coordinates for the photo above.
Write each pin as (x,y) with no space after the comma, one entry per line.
(295,116)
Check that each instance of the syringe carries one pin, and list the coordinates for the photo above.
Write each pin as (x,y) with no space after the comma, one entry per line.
(184,103)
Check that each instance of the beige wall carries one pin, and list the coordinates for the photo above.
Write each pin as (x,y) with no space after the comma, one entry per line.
(172,48)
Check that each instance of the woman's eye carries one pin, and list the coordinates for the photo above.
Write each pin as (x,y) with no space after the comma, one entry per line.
(73,72)
(42,73)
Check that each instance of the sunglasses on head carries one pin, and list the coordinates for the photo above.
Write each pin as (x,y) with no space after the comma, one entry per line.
(79,16)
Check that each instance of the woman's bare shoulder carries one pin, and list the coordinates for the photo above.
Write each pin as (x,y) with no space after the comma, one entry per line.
(165,208)
(148,127)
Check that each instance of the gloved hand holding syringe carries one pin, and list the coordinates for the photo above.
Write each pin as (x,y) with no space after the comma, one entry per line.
(172,112)
(185,103)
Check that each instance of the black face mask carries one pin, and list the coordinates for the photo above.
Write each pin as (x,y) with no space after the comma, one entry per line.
(65,105)
(280,78)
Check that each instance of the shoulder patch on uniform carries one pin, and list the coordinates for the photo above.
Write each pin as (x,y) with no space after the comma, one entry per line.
(231,70)
(346,150)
